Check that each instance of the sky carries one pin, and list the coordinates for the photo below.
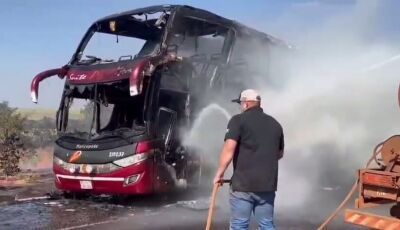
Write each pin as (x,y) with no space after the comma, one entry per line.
(37,35)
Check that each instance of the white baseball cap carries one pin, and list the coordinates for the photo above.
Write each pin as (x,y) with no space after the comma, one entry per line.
(248,95)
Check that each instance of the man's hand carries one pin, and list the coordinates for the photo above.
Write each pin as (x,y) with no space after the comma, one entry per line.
(218,178)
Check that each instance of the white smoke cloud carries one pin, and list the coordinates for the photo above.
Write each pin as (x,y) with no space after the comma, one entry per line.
(337,100)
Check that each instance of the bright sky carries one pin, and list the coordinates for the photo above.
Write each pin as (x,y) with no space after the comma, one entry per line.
(43,34)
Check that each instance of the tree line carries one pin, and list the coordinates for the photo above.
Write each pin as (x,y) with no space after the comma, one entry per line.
(19,136)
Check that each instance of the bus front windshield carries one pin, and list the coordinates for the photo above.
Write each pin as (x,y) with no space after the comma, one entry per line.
(110,113)
(122,38)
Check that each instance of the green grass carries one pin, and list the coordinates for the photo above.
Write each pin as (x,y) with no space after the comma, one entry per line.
(39,113)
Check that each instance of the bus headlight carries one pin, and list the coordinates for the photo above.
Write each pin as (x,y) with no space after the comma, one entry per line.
(134,159)
(105,168)
(86,168)
(60,162)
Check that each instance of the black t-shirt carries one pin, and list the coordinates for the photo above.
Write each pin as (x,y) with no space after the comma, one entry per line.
(259,141)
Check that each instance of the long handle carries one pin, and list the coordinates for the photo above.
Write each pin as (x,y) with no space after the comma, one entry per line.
(213,200)
(212,205)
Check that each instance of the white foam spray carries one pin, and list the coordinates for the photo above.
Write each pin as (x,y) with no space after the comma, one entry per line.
(206,113)
(207,137)
(207,133)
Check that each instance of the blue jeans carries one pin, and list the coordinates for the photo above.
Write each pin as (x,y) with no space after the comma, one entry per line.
(244,203)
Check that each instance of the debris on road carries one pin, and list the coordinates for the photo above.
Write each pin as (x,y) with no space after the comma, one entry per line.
(32,198)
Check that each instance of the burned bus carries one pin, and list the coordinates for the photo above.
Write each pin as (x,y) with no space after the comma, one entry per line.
(140,77)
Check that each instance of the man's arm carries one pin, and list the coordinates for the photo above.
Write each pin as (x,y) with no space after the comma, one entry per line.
(232,137)
(225,159)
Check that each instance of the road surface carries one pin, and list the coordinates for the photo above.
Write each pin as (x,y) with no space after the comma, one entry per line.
(172,211)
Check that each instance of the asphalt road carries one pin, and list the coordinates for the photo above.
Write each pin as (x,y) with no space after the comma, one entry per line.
(172,211)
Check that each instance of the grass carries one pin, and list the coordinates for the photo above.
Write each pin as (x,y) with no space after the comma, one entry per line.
(39,113)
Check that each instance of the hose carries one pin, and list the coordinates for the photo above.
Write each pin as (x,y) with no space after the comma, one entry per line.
(213,201)
(351,192)
(212,205)
(354,188)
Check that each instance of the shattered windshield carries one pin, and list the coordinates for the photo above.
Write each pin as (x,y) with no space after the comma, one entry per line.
(106,48)
(108,114)
(123,38)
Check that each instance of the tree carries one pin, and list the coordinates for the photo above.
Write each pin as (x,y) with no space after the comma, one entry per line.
(11,127)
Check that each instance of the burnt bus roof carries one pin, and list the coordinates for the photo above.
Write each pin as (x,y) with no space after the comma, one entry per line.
(144,10)
(242,30)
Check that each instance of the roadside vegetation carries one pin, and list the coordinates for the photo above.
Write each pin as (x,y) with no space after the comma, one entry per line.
(21,133)
(11,147)
(26,133)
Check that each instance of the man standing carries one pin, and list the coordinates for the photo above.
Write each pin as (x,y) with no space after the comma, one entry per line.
(254,140)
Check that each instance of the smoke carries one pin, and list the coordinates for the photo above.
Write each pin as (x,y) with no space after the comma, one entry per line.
(339,100)
(207,136)
(42,159)
(335,94)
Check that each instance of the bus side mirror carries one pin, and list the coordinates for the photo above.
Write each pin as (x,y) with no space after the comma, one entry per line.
(165,122)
